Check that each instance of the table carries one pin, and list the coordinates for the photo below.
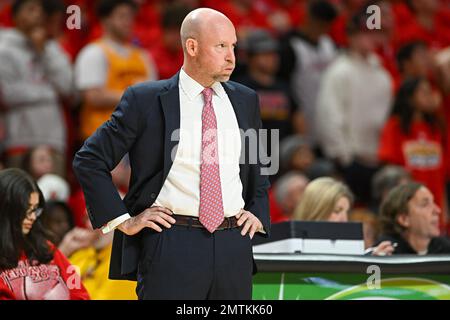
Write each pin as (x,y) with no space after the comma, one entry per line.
(346,277)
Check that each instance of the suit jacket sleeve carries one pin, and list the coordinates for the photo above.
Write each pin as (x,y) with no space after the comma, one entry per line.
(100,154)
(260,204)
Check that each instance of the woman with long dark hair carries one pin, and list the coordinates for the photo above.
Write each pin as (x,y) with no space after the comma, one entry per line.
(31,268)
(413,137)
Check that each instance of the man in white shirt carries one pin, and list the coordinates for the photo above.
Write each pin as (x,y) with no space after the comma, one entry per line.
(353,103)
(107,66)
(184,229)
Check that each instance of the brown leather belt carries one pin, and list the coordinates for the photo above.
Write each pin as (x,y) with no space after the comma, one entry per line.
(188,221)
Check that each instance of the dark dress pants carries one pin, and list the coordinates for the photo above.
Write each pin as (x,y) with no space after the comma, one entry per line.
(188,263)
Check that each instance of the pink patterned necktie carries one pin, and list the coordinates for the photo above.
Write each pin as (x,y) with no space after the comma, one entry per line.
(211,212)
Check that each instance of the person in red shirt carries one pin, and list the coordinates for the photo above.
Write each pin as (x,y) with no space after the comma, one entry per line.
(31,268)
(412,137)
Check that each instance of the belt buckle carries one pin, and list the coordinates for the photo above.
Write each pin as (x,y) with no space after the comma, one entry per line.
(228,226)
(224,227)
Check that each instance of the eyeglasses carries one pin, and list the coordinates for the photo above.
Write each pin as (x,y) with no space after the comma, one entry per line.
(36,211)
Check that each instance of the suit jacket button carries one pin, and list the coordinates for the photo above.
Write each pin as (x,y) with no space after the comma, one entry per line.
(153,195)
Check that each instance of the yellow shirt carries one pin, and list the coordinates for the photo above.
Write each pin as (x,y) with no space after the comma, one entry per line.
(94,269)
(122,73)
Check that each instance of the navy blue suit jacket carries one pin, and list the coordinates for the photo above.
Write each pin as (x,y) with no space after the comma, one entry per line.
(142,126)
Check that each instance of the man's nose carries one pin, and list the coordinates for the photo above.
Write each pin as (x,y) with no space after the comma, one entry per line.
(230,55)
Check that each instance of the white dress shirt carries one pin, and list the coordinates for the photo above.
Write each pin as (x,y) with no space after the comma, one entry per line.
(353,105)
(181,190)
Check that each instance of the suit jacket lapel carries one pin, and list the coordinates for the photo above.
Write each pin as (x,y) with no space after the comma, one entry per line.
(170,102)
(238,105)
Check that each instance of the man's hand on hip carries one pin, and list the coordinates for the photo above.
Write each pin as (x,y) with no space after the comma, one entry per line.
(151,218)
(250,221)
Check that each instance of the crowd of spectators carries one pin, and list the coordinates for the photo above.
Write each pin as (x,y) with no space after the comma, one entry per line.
(369,109)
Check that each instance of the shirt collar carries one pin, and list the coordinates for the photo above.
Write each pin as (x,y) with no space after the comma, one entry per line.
(192,88)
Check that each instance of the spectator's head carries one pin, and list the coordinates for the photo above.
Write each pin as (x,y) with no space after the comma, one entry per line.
(21,204)
(117,18)
(409,211)
(54,11)
(371,227)
(38,161)
(423,6)
(262,51)
(57,218)
(208,39)
(289,189)
(413,60)
(361,39)
(54,187)
(171,20)
(416,100)
(296,154)
(320,17)
(386,179)
(27,14)
(325,199)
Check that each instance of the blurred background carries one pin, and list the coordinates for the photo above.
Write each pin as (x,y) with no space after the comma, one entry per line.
(367,107)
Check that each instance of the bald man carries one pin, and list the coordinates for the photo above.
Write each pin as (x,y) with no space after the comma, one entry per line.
(197,196)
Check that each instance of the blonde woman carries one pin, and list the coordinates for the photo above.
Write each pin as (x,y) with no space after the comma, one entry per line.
(326,199)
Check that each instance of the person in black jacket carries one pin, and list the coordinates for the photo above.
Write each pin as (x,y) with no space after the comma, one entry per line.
(410,220)
(184,228)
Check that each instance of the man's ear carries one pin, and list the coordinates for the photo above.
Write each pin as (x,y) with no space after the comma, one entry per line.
(191,47)
(403,220)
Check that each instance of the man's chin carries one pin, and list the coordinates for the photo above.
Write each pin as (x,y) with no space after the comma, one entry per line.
(223,78)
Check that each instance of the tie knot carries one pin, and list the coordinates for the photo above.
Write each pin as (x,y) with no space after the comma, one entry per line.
(207,95)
